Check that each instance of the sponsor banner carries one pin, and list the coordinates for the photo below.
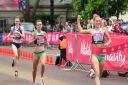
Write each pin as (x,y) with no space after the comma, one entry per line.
(3,38)
(0,37)
(9,39)
(8,5)
(117,61)
(71,53)
(53,37)
(49,37)
(26,38)
(84,48)
(116,56)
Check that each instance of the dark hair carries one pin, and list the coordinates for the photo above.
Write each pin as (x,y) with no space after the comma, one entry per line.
(62,37)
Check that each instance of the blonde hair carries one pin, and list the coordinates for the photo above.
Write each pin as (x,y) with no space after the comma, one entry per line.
(97,19)
(38,21)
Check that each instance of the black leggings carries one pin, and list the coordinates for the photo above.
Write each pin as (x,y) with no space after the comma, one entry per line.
(62,55)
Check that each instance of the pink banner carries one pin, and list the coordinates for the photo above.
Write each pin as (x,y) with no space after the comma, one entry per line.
(84,48)
(8,5)
(116,56)
(49,37)
(53,37)
(26,38)
(4,35)
(117,60)
(71,52)
(10,39)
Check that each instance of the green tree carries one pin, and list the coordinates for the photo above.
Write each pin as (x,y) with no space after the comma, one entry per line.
(86,8)
(117,7)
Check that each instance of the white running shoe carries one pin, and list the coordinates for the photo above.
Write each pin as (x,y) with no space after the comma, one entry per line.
(42,81)
(35,83)
(91,73)
(16,73)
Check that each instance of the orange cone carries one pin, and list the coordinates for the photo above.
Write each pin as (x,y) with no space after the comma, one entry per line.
(9,52)
(30,56)
(47,60)
(21,54)
(24,54)
(62,63)
(50,60)
(0,51)
(27,55)
(4,52)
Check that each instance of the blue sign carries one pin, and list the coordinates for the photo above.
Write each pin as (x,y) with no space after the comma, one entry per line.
(0,37)
(22,4)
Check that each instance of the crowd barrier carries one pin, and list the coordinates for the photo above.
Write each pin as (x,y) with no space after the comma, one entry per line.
(79,49)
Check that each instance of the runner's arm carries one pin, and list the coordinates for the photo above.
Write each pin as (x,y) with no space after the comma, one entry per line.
(32,38)
(46,38)
(80,27)
(9,34)
(22,34)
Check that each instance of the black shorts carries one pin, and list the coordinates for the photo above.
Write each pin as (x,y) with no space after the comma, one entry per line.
(18,45)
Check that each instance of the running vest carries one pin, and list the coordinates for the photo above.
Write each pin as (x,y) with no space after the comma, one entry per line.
(16,32)
(40,38)
(97,36)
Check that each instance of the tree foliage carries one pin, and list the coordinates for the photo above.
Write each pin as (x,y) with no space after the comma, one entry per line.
(86,8)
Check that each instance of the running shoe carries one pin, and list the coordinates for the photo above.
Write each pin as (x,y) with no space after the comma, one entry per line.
(42,82)
(91,73)
(16,73)
(35,83)
(13,63)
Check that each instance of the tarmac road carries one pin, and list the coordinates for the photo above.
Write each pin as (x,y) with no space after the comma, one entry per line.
(54,75)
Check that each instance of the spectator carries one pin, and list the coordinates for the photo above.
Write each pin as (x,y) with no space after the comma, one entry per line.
(115,25)
(109,26)
(62,48)
(48,26)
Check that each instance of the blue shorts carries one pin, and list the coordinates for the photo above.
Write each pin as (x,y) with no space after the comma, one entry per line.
(18,45)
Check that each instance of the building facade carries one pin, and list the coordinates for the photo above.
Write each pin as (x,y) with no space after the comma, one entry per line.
(61,7)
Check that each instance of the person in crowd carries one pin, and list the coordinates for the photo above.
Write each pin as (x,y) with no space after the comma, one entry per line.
(109,27)
(98,43)
(89,25)
(62,27)
(17,32)
(62,48)
(70,27)
(115,25)
(48,26)
(39,39)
